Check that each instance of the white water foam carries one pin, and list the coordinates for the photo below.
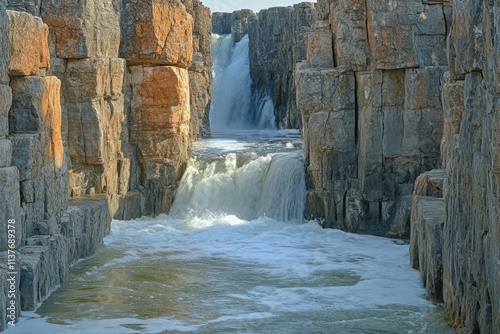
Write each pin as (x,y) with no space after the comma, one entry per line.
(251,276)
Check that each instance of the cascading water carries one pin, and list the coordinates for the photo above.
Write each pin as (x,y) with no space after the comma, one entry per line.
(245,186)
(234,254)
(232,104)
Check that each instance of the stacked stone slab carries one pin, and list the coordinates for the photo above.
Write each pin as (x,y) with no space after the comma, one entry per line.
(84,44)
(371,86)
(469,249)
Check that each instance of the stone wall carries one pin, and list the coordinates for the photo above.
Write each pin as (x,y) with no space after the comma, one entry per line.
(200,72)
(371,108)
(467,278)
(34,172)
(277,41)
(235,23)
(96,123)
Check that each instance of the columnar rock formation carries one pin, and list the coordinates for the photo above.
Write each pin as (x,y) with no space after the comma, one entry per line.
(394,100)
(235,23)
(465,253)
(277,41)
(50,232)
(370,101)
(95,123)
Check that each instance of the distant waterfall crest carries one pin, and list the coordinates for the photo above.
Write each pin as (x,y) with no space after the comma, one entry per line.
(245,186)
(233,105)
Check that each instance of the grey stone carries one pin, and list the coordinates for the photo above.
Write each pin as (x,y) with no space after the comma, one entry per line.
(277,42)
(5,104)
(30,6)
(5,153)
(5,51)
(9,206)
(426,244)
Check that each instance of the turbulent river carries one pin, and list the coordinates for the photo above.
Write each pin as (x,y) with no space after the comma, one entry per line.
(234,254)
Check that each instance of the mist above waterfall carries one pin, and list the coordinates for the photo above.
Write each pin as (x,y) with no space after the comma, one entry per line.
(234,105)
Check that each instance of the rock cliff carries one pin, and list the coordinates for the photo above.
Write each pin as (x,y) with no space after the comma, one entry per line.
(277,41)
(466,249)
(100,102)
(389,93)
(235,23)
(371,108)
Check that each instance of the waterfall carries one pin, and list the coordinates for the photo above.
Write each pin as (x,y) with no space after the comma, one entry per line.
(233,106)
(247,186)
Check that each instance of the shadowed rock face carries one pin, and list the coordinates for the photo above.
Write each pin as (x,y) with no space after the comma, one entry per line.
(399,101)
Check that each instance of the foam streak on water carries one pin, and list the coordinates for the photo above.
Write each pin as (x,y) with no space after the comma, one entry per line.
(234,269)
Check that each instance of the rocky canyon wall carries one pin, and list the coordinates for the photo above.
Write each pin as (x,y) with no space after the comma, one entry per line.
(400,103)
(371,108)
(100,102)
(277,41)
(456,238)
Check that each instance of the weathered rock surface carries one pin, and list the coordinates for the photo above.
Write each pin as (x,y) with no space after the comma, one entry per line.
(72,133)
(5,51)
(35,124)
(277,42)
(30,6)
(472,231)
(83,29)
(156,32)
(29,46)
(200,72)
(426,238)
(235,23)
(396,109)
(160,128)
(94,92)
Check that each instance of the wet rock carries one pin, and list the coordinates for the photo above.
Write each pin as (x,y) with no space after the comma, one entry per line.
(426,247)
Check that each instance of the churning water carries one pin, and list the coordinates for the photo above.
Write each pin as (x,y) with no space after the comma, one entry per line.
(235,255)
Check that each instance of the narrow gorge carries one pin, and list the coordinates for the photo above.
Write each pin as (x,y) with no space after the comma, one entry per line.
(168,169)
